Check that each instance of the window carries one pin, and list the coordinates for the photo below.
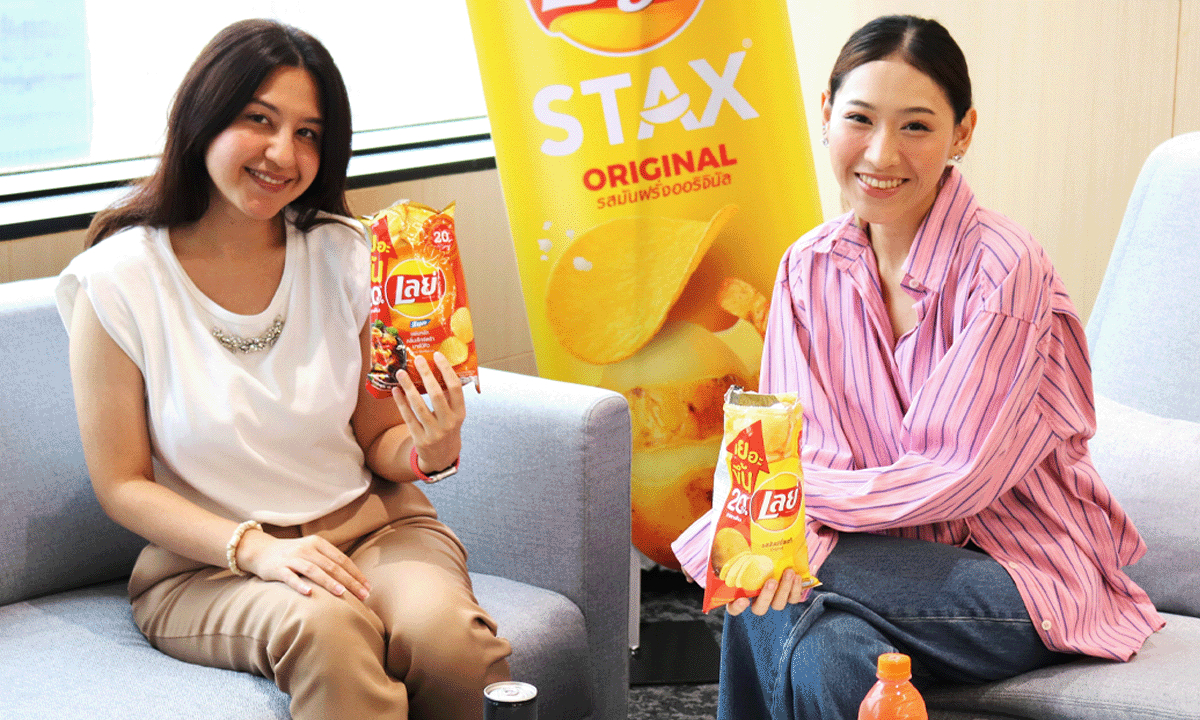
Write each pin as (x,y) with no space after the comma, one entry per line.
(89,81)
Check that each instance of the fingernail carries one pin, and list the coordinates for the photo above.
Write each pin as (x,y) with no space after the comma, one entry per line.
(339,590)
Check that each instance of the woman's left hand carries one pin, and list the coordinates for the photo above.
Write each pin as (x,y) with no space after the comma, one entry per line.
(436,430)
(775,595)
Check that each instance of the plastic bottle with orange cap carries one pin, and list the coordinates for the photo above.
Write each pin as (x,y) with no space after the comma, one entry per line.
(893,697)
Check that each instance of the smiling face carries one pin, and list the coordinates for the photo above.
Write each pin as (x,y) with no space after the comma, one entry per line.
(270,153)
(891,132)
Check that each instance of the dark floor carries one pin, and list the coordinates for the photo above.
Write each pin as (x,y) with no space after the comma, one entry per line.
(667,596)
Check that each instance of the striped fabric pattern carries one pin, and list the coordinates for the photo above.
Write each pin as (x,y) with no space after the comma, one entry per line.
(973,426)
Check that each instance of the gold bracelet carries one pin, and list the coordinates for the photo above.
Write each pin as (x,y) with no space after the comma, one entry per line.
(232,548)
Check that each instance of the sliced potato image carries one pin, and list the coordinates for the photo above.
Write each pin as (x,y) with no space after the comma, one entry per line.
(461,325)
(727,545)
(676,385)
(733,567)
(611,289)
(742,300)
(669,489)
(752,572)
(745,341)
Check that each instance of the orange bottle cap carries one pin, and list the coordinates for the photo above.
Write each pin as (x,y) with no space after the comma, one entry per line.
(894,666)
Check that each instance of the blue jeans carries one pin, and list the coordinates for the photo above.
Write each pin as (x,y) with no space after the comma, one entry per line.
(954,611)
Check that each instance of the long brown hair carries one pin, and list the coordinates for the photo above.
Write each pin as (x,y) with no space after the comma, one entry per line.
(221,81)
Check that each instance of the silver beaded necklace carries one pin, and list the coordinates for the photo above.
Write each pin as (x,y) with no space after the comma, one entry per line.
(238,344)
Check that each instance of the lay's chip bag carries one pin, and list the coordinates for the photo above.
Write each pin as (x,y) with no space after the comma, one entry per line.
(758,496)
(418,296)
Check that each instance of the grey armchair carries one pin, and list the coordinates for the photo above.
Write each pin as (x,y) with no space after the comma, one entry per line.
(542,503)
(1144,338)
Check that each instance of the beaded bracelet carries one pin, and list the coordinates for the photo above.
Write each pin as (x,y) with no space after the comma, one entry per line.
(232,548)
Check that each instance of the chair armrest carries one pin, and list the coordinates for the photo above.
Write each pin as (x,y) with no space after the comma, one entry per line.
(542,497)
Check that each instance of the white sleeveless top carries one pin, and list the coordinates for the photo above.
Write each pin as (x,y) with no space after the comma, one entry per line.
(263,435)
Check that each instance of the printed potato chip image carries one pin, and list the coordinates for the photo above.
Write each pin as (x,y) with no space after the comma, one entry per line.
(732,566)
(740,299)
(728,544)
(455,350)
(461,326)
(753,573)
(669,488)
(675,387)
(610,291)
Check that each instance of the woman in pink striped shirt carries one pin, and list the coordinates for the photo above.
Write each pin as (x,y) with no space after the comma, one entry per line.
(954,513)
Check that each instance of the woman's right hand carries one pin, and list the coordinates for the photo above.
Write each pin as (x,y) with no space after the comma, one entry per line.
(298,561)
(436,427)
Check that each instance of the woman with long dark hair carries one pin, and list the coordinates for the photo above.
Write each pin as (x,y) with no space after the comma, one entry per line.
(219,344)
(954,513)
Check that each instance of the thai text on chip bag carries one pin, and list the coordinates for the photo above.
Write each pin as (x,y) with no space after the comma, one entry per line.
(418,296)
(758,495)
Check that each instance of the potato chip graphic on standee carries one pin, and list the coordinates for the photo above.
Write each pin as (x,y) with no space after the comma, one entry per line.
(610,291)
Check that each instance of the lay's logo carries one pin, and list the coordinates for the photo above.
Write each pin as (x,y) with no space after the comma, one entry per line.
(777,506)
(614,27)
(402,290)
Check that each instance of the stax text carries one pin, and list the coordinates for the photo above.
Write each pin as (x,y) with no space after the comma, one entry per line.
(663,103)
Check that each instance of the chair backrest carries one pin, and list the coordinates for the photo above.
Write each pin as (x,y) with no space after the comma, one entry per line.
(53,533)
(1144,331)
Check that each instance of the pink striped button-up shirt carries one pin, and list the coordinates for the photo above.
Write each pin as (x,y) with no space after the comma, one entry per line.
(973,426)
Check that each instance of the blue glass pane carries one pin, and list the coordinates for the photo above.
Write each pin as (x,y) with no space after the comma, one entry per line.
(45,90)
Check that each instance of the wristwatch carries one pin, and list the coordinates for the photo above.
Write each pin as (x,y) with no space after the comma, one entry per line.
(439,475)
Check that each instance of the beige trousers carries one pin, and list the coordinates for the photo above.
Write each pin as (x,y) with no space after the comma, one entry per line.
(420,645)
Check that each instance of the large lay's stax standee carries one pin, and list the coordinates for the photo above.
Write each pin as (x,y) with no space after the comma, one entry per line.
(655,164)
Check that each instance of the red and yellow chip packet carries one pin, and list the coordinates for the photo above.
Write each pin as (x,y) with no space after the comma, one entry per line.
(758,494)
(418,296)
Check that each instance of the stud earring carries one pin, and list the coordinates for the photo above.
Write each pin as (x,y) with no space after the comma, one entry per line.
(957,157)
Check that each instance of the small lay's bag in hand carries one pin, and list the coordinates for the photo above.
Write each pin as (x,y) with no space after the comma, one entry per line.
(758,497)
(418,296)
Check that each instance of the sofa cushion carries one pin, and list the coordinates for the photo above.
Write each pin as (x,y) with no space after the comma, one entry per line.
(78,654)
(1152,466)
(1151,686)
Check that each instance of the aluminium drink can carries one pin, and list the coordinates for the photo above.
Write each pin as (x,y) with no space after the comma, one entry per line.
(510,700)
